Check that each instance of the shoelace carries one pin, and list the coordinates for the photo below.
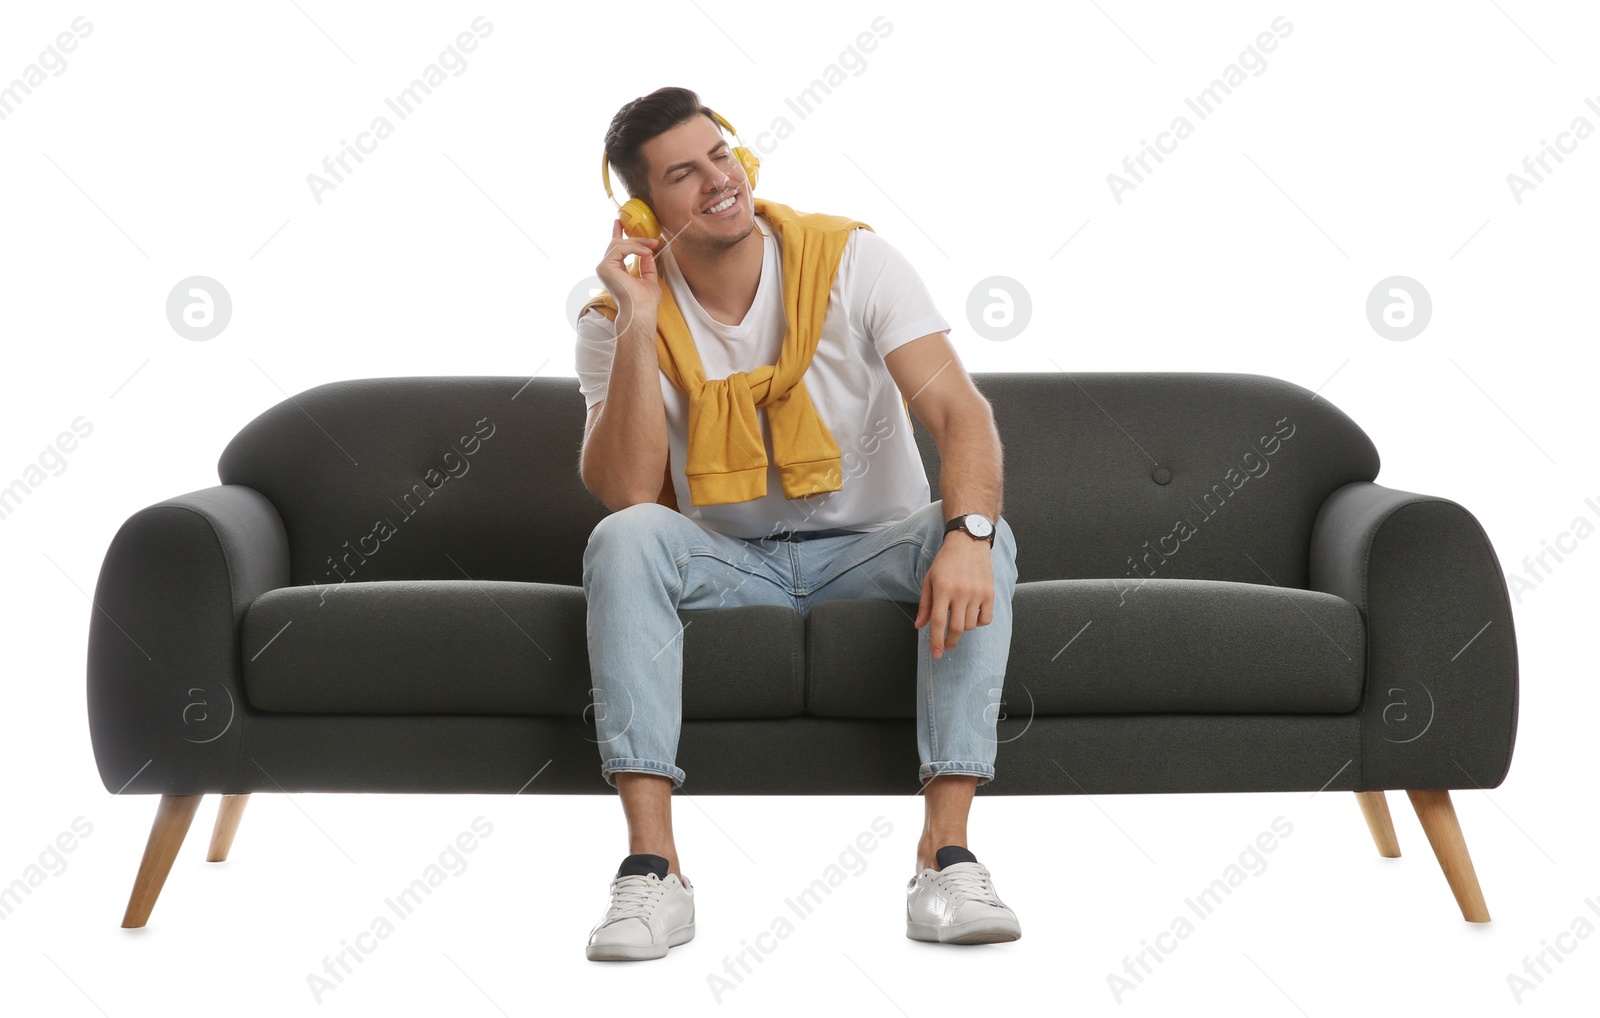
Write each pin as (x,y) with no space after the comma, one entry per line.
(633,896)
(967,883)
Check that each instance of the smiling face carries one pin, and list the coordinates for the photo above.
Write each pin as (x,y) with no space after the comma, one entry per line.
(692,168)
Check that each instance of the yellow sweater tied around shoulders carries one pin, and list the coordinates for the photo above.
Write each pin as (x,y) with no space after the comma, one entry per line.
(727,460)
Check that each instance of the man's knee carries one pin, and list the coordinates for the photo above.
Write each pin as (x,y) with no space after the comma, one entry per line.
(1004,539)
(933,522)
(637,525)
(1005,543)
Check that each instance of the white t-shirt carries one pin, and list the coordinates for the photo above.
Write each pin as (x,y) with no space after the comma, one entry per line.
(878,303)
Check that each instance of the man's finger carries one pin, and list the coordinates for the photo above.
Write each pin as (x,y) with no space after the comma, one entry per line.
(957,627)
(936,628)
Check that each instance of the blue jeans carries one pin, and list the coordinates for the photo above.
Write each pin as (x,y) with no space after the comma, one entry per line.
(645,562)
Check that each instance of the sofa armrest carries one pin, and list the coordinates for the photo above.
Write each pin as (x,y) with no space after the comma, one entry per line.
(165,691)
(1439,708)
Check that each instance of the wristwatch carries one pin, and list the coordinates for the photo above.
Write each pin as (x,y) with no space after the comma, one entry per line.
(975,524)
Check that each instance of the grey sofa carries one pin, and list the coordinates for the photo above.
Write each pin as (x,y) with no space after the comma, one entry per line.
(384,594)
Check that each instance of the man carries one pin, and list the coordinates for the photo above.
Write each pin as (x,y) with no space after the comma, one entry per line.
(671,361)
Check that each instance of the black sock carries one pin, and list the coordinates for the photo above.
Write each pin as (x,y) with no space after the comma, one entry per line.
(952,854)
(641,863)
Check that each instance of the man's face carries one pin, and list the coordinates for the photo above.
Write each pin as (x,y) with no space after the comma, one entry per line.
(692,167)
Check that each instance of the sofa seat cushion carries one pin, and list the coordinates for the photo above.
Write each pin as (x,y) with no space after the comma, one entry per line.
(491,647)
(1100,646)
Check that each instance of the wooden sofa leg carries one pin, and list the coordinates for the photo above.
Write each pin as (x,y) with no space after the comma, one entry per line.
(228,816)
(1375,807)
(173,817)
(1438,816)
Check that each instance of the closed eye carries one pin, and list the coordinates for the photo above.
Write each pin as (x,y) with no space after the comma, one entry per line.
(721,158)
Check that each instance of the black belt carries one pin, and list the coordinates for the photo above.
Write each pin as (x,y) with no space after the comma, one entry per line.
(806,535)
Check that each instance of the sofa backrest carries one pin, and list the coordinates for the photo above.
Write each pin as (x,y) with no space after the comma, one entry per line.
(1111,474)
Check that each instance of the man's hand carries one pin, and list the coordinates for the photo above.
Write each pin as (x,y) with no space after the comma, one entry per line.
(959,586)
(633,294)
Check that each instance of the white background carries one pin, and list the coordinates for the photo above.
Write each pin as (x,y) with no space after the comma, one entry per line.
(1376,142)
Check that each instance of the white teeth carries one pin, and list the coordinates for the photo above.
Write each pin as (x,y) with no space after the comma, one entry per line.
(722,206)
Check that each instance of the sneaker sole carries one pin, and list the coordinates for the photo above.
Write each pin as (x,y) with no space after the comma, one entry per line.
(978,931)
(643,952)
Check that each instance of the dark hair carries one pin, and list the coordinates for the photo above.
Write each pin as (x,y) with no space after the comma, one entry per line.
(642,119)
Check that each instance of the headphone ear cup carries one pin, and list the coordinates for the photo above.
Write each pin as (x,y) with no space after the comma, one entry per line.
(751,163)
(639,219)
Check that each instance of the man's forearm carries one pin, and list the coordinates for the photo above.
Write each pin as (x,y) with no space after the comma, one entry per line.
(971,467)
(626,454)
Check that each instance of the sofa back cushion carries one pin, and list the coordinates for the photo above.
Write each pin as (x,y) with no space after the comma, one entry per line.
(1111,474)
(1182,475)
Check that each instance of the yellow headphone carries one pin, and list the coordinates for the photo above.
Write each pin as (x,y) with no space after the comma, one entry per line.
(639,219)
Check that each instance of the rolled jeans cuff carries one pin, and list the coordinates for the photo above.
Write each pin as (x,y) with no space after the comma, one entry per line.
(982,771)
(621,763)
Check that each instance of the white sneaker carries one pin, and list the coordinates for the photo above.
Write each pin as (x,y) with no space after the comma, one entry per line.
(957,903)
(651,910)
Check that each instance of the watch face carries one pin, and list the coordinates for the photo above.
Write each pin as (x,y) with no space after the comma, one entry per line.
(979,525)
